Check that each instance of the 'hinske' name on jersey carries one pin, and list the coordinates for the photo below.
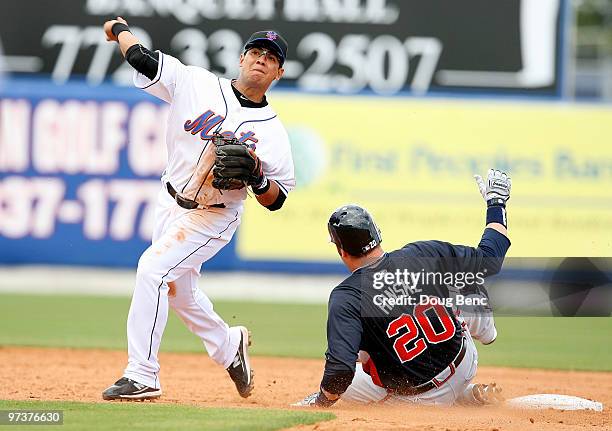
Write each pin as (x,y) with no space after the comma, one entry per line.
(209,120)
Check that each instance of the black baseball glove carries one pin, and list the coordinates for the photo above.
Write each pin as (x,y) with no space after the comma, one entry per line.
(236,165)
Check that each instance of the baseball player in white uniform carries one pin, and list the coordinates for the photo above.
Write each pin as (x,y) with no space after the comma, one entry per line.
(193,219)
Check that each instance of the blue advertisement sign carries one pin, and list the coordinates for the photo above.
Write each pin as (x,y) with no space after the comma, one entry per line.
(79,174)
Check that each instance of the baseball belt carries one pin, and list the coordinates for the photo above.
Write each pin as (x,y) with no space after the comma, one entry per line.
(188,204)
(434,383)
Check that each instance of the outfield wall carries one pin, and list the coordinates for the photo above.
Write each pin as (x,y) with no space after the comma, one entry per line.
(79,170)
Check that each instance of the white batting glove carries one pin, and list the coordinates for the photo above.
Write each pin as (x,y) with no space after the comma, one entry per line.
(496,191)
(318,399)
(309,401)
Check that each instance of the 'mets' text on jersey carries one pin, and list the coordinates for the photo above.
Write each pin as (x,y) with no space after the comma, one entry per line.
(202,104)
(411,342)
(208,121)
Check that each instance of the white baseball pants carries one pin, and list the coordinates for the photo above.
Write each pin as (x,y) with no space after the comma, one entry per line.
(479,320)
(182,241)
(456,389)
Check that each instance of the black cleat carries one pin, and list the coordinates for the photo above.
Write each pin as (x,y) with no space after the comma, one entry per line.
(127,389)
(240,370)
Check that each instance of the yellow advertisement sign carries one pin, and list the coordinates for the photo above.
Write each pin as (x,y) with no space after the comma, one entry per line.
(411,164)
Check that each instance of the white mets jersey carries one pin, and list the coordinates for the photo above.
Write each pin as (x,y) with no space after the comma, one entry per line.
(201,104)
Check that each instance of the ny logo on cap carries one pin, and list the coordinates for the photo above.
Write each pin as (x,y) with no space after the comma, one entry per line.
(271,35)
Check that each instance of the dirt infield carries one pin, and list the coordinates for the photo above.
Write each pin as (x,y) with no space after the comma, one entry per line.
(81,375)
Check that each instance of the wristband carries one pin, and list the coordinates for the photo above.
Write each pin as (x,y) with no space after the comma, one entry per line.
(118,27)
(497,214)
(496,202)
(262,187)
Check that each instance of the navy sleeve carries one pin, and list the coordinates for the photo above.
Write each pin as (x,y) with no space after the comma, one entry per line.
(494,243)
(344,332)
(489,254)
(143,60)
(493,246)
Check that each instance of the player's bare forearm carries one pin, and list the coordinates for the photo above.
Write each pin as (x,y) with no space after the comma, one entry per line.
(329,395)
(126,40)
(269,197)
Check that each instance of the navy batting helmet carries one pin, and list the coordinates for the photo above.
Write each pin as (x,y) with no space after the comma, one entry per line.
(352,229)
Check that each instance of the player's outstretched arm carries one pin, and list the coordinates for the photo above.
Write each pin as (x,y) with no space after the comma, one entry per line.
(494,243)
(344,329)
(495,192)
(139,57)
(117,30)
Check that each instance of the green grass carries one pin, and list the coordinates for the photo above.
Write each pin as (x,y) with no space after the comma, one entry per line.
(575,343)
(290,330)
(146,416)
(100,322)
